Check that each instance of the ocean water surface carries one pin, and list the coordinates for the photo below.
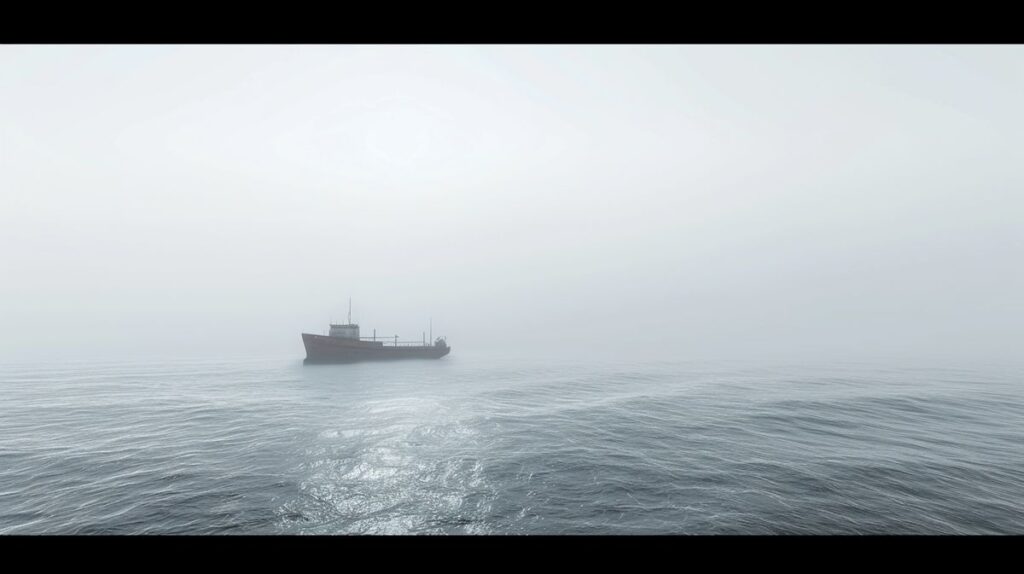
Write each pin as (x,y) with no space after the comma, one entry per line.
(510,446)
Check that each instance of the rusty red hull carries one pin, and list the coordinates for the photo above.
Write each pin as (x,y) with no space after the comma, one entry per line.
(323,349)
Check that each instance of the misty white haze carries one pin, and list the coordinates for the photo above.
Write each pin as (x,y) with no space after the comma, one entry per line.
(794,202)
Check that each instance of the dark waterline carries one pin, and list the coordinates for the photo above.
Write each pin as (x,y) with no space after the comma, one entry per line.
(465,445)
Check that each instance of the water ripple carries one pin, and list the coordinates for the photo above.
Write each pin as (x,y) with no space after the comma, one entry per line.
(238,447)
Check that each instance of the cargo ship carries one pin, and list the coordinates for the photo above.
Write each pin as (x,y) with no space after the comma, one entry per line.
(343,344)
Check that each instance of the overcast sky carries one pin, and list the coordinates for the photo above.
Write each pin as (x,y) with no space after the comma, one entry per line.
(651,201)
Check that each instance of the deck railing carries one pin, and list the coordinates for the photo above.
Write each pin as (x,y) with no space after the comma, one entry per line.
(394,342)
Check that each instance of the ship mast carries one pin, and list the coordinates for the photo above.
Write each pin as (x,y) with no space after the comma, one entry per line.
(349,310)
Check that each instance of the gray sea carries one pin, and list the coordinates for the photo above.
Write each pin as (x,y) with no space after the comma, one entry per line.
(509,446)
